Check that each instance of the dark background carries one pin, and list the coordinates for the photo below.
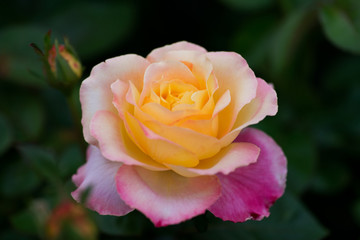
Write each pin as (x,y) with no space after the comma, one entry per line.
(309,50)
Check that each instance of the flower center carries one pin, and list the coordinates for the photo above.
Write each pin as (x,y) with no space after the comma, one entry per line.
(174,95)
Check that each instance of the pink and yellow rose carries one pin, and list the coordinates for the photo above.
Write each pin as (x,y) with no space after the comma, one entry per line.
(168,137)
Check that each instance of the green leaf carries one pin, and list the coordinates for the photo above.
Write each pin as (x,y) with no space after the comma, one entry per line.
(57,109)
(356,211)
(6,136)
(31,117)
(41,161)
(33,219)
(13,235)
(17,180)
(299,149)
(342,69)
(17,57)
(333,177)
(248,4)
(131,224)
(25,222)
(301,153)
(289,219)
(201,223)
(25,114)
(341,95)
(95,26)
(70,160)
(291,5)
(288,36)
(340,28)
(253,40)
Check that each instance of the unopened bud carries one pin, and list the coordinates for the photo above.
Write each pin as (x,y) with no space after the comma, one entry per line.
(62,52)
(62,67)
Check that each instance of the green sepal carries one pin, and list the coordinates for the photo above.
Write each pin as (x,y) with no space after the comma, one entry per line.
(37,49)
(64,72)
(47,42)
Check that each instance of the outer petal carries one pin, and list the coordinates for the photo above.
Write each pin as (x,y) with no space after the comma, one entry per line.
(166,197)
(99,174)
(248,192)
(115,144)
(158,54)
(263,105)
(95,92)
(234,74)
(236,155)
(79,177)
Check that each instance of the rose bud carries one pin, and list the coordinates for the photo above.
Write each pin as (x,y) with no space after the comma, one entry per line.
(62,67)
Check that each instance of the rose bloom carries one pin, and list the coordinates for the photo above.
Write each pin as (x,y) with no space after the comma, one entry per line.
(168,137)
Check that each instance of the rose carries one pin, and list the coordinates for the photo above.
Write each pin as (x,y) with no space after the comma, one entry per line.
(164,137)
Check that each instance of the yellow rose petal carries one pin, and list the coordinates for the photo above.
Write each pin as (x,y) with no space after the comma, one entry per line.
(158,148)
(163,114)
(204,126)
(203,146)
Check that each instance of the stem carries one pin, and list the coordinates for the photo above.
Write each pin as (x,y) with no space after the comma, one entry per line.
(76,115)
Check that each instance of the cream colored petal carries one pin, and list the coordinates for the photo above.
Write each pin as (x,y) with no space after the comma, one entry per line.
(234,156)
(95,91)
(158,54)
(108,129)
(119,90)
(196,61)
(222,103)
(263,105)
(133,94)
(233,74)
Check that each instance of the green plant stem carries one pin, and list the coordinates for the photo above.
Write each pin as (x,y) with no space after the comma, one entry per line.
(76,117)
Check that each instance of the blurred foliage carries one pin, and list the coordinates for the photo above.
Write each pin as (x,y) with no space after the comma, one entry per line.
(309,50)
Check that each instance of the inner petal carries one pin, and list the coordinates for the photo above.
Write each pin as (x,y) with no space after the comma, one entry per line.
(160,72)
(157,147)
(197,62)
(172,93)
(163,114)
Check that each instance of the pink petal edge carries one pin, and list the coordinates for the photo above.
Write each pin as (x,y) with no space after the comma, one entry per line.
(248,192)
(166,197)
(99,174)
